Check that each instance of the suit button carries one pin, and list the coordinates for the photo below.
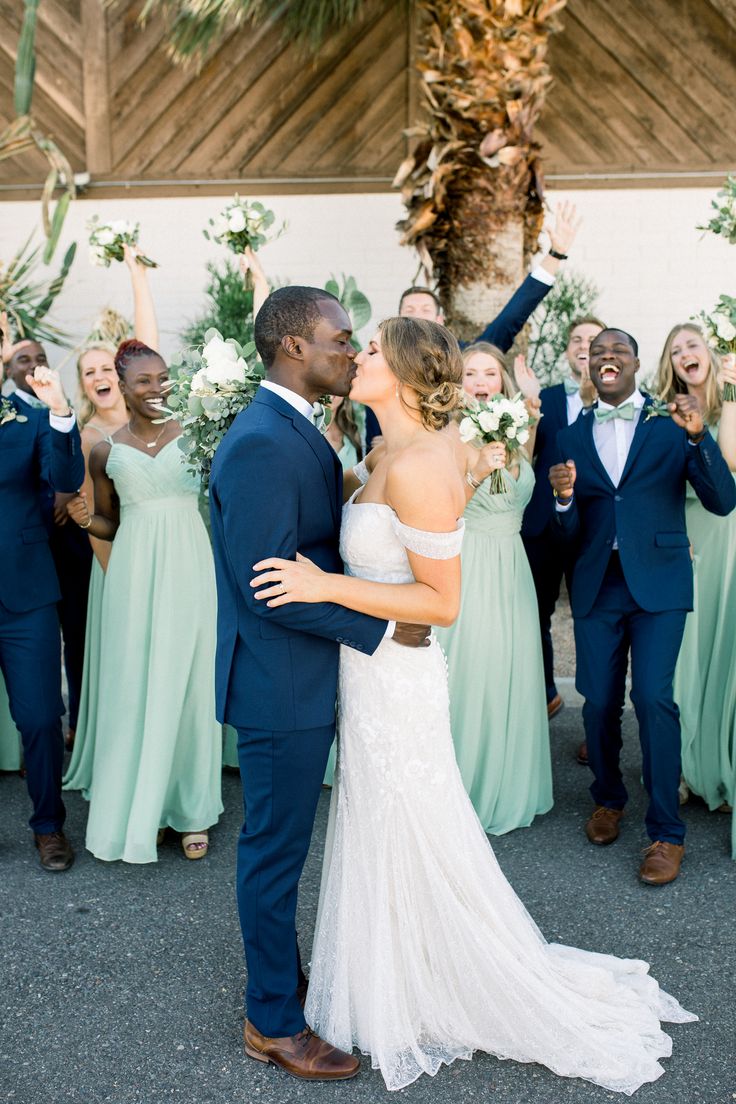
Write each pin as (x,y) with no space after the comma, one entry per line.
(617,498)
(340,640)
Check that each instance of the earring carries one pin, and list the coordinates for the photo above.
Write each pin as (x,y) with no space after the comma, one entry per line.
(397,391)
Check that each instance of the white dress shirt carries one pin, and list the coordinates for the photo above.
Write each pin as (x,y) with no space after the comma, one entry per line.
(305,407)
(64,425)
(542,275)
(574,406)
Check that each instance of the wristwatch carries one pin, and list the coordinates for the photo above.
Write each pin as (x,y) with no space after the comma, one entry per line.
(557,255)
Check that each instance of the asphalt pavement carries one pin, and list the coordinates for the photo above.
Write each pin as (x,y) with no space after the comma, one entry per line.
(123,984)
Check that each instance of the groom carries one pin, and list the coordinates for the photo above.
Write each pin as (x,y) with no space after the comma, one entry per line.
(620,499)
(276,488)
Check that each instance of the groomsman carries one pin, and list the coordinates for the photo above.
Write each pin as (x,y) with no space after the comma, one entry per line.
(40,452)
(620,500)
(548,557)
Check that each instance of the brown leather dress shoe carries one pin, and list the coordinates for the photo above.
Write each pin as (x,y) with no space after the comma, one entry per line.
(304,1055)
(554,706)
(603,826)
(661,862)
(54,850)
(582,754)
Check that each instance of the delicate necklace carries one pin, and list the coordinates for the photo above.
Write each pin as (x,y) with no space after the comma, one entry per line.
(148,444)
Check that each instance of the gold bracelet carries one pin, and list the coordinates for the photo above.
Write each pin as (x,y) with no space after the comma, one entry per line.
(472,481)
(89,522)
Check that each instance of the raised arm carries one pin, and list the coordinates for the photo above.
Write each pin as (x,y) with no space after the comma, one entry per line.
(146,326)
(426,493)
(727,426)
(251,267)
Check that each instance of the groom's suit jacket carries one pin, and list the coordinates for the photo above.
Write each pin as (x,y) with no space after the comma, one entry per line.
(275,489)
(645,513)
(35,461)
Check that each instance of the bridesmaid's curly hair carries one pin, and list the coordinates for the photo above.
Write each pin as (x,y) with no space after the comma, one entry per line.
(131,350)
(426,358)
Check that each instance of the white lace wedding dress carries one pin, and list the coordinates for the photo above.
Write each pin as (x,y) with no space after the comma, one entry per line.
(423,953)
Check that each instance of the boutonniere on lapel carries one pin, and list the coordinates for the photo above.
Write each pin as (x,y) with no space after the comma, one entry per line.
(10,413)
(657,409)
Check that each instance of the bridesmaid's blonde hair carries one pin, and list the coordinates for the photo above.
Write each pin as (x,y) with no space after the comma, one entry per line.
(669,383)
(426,357)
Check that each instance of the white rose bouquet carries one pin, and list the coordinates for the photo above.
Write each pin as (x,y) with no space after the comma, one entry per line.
(723,221)
(498,419)
(212,385)
(240,224)
(720,332)
(106,241)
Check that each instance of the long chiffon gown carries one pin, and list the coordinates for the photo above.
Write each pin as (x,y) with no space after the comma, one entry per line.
(423,953)
(157,745)
(498,707)
(10,747)
(705,677)
(78,774)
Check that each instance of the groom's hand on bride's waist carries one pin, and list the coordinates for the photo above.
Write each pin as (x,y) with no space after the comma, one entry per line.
(412,636)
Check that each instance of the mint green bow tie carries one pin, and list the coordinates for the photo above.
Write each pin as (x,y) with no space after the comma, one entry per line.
(571,386)
(625,411)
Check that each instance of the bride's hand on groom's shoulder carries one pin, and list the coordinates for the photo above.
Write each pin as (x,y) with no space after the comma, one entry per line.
(290,581)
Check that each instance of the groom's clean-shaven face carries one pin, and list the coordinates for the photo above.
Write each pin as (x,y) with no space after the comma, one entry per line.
(328,359)
(613,366)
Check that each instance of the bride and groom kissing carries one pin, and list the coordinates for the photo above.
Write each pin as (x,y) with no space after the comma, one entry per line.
(422,952)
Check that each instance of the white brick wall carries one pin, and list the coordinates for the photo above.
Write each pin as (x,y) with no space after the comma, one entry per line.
(640,247)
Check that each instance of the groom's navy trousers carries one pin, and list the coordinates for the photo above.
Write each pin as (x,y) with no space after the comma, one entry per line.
(635,597)
(276,489)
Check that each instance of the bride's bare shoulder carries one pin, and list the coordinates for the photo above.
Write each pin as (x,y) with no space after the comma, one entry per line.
(426,470)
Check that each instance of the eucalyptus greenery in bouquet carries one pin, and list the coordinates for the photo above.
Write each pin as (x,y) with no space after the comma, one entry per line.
(720,332)
(242,223)
(497,419)
(106,241)
(210,387)
(723,222)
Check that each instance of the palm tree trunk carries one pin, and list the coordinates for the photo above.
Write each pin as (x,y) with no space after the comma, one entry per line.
(472,186)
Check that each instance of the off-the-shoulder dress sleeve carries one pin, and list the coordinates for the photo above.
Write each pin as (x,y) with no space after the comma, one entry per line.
(360,471)
(435,546)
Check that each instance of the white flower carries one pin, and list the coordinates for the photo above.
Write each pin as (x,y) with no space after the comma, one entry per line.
(219,225)
(488,420)
(236,220)
(105,236)
(121,227)
(200,383)
(511,433)
(522,436)
(222,363)
(724,327)
(97,256)
(468,432)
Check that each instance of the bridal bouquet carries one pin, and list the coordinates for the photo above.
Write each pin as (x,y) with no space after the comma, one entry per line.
(212,385)
(240,224)
(723,221)
(106,241)
(498,419)
(720,331)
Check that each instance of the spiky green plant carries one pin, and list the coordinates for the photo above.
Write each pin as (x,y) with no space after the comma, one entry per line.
(28,299)
(196,25)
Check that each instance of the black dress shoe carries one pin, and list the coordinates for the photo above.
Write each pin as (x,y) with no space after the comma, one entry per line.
(54,850)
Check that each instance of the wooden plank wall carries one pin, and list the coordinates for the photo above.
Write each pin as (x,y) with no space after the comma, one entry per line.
(642,88)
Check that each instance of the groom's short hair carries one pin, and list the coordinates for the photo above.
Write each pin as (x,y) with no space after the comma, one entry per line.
(288,310)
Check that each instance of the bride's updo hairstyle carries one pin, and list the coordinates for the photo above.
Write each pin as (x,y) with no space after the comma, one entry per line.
(425,357)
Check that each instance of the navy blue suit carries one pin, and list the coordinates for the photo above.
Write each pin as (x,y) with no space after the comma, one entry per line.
(34,458)
(636,598)
(276,489)
(501,331)
(549,557)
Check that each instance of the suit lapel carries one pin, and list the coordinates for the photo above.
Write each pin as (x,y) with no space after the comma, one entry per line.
(584,425)
(321,448)
(641,433)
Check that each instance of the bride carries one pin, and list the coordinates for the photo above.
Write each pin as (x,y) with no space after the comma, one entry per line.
(423,953)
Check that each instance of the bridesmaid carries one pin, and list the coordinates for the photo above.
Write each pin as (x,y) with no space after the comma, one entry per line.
(157,757)
(10,756)
(100,413)
(705,678)
(498,704)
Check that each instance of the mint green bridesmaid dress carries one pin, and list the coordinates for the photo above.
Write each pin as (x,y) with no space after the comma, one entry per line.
(157,746)
(10,757)
(78,774)
(498,707)
(705,677)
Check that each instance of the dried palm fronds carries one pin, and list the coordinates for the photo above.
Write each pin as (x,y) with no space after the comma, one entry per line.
(474,173)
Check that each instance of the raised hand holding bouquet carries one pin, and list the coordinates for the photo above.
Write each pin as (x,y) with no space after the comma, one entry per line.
(720,332)
(499,419)
(211,386)
(240,224)
(107,239)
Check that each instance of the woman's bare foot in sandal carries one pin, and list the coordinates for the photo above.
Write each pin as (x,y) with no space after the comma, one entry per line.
(195,844)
